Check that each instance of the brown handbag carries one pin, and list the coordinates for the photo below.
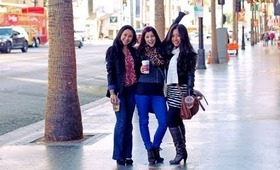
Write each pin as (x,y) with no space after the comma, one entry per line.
(188,113)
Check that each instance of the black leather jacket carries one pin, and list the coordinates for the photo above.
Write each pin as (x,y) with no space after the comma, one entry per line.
(115,66)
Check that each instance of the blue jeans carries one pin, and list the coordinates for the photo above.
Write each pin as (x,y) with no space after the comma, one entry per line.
(123,128)
(158,105)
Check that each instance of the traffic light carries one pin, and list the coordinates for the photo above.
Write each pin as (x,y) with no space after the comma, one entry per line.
(238,6)
(224,18)
(221,2)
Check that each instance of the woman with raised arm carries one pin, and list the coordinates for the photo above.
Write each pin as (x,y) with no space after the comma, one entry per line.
(181,66)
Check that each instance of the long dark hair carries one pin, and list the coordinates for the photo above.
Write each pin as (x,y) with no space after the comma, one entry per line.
(187,56)
(117,41)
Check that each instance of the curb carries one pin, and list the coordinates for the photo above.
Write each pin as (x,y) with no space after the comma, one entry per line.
(29,133)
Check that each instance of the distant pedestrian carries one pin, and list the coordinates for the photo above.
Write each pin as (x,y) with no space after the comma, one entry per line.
(278,43)
(266,39)
(271,37)
(123,69)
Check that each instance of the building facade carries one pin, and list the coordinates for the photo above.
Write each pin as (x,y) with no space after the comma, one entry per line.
(102,19)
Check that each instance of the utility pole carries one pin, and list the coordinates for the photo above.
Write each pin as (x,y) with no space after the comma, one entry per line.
(252,23)
(243,39)
(201,51)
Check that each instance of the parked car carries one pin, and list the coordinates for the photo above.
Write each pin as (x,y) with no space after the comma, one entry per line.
(13,38)
(78,40)
(33,38)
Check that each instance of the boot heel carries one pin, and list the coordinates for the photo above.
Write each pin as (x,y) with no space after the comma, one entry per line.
(186,156)
(185,159)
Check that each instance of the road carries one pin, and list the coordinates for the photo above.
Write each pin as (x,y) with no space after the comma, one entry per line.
(23,87)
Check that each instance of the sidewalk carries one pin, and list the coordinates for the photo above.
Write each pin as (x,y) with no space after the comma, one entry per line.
(238,131)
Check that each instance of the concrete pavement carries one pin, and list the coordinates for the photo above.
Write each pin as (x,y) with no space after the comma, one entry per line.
(238,131)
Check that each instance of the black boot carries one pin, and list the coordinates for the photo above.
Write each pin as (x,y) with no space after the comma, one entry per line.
(157,155)
(151,156)
(181,152)
(183,130)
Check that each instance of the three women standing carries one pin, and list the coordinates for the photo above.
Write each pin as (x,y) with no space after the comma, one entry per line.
(123,64)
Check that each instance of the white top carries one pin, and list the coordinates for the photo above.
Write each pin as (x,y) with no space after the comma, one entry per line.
(172,76)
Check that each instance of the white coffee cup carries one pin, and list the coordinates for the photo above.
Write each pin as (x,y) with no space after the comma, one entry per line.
(145,66)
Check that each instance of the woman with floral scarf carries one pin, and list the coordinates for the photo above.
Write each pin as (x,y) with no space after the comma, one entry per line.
(149,94)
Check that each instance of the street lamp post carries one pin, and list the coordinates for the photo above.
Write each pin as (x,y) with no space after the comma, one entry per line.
(201,52)
(243,39)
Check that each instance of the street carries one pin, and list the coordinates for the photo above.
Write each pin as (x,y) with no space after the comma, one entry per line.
(23,87)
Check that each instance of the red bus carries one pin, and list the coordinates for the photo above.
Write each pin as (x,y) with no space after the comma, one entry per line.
(33,19)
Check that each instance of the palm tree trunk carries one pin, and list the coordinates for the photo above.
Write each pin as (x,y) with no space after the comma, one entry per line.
(63,115)
(214,47)
(159,18)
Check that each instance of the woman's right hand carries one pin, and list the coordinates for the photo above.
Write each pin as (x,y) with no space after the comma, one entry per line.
(144,68)
(113,98)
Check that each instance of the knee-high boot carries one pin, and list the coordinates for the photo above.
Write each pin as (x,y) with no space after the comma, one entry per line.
(183,130)
(181,152)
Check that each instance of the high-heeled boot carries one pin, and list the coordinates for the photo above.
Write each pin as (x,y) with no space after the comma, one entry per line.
(183,130)
(181,152)
(157,155)
(151,156)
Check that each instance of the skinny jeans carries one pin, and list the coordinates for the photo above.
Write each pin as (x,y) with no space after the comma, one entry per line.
(144,104)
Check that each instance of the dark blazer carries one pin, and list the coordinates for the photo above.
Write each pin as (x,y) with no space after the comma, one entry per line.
(115,66)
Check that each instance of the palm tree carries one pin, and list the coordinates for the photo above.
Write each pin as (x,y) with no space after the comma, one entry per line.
(234,22)
(63,115)
(159,18)
(214,47)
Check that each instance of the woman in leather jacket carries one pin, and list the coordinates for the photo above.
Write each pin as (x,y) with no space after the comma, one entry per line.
(181,66)
(123,69)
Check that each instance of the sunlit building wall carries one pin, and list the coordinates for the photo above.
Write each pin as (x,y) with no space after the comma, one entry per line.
(27,2)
